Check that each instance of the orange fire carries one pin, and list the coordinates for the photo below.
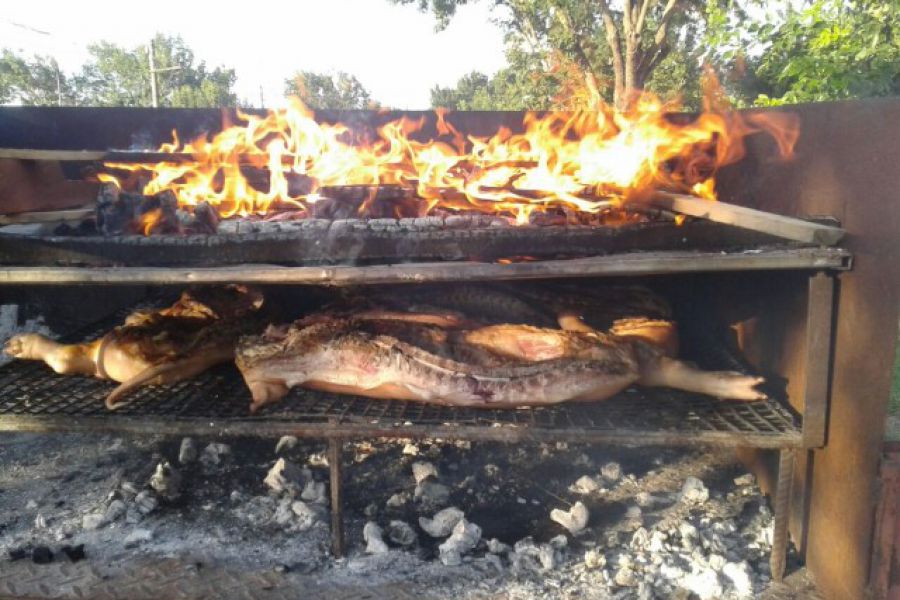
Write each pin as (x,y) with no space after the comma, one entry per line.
(583,161)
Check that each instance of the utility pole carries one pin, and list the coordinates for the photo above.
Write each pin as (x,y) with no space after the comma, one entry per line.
(58,84)
(262,99)
(154,95)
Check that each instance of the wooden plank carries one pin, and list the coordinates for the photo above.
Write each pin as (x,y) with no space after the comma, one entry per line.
(121,156)
(643,263)
(47,216)
(788,228)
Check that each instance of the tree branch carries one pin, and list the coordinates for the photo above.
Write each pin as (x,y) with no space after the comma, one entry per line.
(656,53)
(662,29)
(580,53)
(612,38)
(645,6)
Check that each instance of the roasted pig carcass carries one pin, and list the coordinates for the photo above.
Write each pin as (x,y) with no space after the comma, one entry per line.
(155,346)
(425,354)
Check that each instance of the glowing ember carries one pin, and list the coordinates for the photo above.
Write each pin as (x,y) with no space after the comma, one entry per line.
(583,161)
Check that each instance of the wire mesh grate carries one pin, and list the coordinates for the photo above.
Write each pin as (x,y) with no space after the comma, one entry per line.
(32,390)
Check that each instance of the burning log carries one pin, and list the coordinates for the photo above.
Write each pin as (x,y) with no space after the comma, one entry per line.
(123,213)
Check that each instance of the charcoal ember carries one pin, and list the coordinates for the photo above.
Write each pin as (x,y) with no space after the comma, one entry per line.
(41,555)
(205,219)
(74,553)
(365,201)
(124,213)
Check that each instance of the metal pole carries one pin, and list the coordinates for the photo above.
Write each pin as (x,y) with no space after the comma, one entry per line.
(782,506)
(337,514)
(153,93)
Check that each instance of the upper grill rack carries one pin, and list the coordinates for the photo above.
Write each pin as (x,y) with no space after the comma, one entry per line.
(34,398)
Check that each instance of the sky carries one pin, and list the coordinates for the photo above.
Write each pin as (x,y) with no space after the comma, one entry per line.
(393,50)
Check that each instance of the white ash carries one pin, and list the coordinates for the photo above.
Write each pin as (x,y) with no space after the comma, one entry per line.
(423,470)
(314,492)
(594,559)
(115,510)
(747,479)
(728,535)
(187,452)
(285,476)
(398,500)
(146,502)
(402,533)
(94,520)
(214,453)
(611,471)
(530,557)
(138,537)
(585,485)
(463,539)
(129,489)
(286,443)
(574,520)
(443,522)
(372,535)
(693,491)
(307,514)
(431,494)
(166,480)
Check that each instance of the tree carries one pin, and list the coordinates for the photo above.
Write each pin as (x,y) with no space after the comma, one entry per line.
(592,36)
(322,91)
(37,81)
(117,76)
(831,50)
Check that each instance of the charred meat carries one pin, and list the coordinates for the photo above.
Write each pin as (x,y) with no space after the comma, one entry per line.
(423,353)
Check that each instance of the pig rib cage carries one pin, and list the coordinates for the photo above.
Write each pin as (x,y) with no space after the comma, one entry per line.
(33,399)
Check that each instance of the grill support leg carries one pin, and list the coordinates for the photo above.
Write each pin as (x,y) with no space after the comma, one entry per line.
(782,512)
(335,467)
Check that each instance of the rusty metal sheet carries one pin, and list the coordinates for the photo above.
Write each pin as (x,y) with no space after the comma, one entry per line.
(845,166)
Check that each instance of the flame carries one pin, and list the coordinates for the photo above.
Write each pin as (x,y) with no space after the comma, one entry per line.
(584,161)
(149,220)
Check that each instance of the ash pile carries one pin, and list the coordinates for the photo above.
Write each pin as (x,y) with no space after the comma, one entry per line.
(466,519)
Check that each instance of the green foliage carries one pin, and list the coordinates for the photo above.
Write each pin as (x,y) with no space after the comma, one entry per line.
(553,46)
(117,76)
(525,84)
(321,91)
(832,50)
(37,81)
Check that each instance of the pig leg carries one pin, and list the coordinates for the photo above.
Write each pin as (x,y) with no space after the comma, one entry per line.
(65,359)
(730,385)
(171,372)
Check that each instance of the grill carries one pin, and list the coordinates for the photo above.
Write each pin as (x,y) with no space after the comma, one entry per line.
(34,398)
(786,265)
